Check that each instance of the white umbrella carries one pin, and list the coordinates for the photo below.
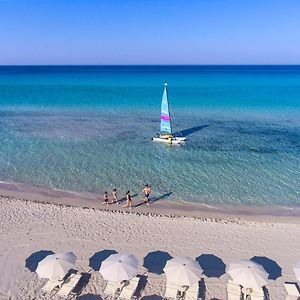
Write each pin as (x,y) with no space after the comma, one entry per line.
(118,267)
(248,274)
(296,269)
(183,271)
(56,266)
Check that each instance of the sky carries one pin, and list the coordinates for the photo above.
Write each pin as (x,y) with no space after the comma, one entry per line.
(149,32)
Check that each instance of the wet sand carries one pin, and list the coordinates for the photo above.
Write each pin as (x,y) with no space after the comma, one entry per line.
(159,205)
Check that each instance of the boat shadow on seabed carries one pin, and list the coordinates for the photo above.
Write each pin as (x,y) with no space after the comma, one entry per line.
(188,131)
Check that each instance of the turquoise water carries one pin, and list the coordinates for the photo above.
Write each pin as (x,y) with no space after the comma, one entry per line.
(89,129)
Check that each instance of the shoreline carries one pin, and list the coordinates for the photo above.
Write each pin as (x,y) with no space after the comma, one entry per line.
(159,205)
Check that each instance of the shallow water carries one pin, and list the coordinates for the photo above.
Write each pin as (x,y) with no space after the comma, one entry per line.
(89,129)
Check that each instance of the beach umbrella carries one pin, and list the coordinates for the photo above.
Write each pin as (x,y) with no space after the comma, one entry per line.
(56,266)
(183,271)
(119,267)
(248,274)
(296,269)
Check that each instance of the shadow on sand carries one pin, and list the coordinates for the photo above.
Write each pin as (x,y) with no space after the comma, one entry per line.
(96,260)
(124,198)
(83,282)
(155,261)
(202,289)
(271,266)
(33,260)
(212,265)
(89,297)
(188,131)
(141,286)
(152,297)
(154,199)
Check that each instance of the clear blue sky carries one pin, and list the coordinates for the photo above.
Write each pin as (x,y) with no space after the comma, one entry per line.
(149,32)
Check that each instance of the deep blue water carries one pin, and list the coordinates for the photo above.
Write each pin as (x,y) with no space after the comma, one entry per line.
(88,128)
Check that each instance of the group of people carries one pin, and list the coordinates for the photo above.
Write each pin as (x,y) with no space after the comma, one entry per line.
(146,191)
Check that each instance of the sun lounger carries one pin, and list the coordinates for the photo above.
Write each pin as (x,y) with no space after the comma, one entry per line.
(257,294)
(233,291)
(192,292)
(171,291)
(51,285)
(68,286)
(292,297)
(129,290)
(292,289)
(111,288)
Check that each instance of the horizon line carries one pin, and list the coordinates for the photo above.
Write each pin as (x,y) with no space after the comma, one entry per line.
(137,65)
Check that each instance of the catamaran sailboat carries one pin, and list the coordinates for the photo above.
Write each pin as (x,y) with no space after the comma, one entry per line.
(166,135)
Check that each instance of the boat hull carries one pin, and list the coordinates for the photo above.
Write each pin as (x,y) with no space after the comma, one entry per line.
(173,141)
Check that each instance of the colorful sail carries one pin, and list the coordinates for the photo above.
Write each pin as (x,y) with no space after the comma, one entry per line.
(165,119)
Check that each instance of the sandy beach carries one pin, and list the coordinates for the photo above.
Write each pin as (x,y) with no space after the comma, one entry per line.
(31,229)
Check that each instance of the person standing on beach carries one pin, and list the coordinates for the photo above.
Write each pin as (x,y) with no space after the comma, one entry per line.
(115,196)
(105,196)
(129,201)
(147,191)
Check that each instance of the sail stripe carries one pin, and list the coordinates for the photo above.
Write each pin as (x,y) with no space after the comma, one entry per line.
(166,118)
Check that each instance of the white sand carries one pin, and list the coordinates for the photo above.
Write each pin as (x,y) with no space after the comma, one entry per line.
(27,227)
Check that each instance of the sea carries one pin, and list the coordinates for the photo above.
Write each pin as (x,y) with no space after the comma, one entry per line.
(89,129)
